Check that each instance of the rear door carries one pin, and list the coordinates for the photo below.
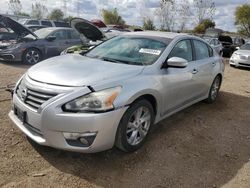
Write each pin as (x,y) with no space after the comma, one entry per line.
(205,62)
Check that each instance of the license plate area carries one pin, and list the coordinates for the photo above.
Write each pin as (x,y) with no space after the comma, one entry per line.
(21,115)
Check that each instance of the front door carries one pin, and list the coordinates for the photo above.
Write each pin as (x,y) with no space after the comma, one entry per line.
(180,85)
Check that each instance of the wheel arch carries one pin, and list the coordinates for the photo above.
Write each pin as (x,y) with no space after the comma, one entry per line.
(150,98)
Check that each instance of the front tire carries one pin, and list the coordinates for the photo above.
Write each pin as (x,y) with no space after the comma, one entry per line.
(214,90)
(134,126)
(32,56)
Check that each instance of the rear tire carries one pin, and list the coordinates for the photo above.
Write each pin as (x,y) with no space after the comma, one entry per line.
(32,56)
(134,126)
(214,90)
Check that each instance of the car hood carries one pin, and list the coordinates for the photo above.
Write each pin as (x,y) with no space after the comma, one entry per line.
(86,28)
(20,30)
(78,70)
(243,52)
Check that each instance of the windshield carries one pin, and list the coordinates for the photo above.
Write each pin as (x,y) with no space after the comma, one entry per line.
(41,33)
(245,47)
(129,50)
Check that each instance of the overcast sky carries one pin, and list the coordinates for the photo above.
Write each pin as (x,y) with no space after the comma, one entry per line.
(130,9)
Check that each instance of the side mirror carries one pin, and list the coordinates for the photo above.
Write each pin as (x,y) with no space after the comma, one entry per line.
(51,38)
(175,62)
(237,48)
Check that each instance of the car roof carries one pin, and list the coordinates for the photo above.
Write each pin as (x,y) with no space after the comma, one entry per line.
(168,35)
(57,28)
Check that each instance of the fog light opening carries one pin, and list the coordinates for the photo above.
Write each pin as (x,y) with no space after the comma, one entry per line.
(84,141)
(80,139)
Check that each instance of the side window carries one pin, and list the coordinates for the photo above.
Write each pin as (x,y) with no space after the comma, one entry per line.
(61,35)
(61,24)
(211,52)
(182,49)
(33,22)
(213,42)
(201,50)
(74,35)
(47,23)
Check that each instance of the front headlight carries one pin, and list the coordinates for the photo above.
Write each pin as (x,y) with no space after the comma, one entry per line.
(235,55)
(100,101)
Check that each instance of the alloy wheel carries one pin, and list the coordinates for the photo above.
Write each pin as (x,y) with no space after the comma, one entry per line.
(138,126)
(215,88)
(32,57)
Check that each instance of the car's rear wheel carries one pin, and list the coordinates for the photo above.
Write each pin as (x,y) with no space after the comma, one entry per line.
(214,90)
(134,126)
(32,56)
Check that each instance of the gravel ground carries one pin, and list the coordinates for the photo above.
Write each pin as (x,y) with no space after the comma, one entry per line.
(202,146)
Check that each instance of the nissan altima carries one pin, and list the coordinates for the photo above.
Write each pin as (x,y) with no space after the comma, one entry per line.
(113,94)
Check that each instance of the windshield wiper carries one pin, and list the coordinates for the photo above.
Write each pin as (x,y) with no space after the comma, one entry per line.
(110,60)
(120,61)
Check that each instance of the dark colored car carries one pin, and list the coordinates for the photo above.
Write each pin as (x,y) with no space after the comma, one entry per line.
(6,34)
(230,44)
(48,23)
(32,47)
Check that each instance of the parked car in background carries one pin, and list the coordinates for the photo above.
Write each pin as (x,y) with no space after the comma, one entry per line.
(228,47)
(91,35)
(32,47)
(215,44)
(113,94)
(35,27)
(241,57)
(6,33)
(48,23)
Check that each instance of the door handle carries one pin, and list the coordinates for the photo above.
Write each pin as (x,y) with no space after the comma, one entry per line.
(195,71)
(213,63)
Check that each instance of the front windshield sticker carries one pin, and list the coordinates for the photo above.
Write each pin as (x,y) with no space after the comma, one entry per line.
(150,51)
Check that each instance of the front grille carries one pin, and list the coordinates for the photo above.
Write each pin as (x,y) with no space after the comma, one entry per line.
(245,57)
(32,97)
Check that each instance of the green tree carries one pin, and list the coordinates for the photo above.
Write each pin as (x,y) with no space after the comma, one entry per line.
(15,6)
(205,24)
(112,17)
(67,19)
(242,17)
(56,14)
(24,14)
(39,11)
(148,24)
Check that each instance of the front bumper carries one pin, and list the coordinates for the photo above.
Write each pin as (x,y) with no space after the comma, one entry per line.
(239,62)
(8,55)
(47,127)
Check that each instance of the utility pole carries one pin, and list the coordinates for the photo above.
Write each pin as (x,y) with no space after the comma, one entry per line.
(65,7)
(78,8)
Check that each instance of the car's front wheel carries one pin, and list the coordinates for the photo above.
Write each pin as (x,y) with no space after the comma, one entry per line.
(214,90)
(32,56)
(134,126)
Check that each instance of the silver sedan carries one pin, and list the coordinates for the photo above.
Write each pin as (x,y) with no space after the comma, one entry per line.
(241,57)
(113,94)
